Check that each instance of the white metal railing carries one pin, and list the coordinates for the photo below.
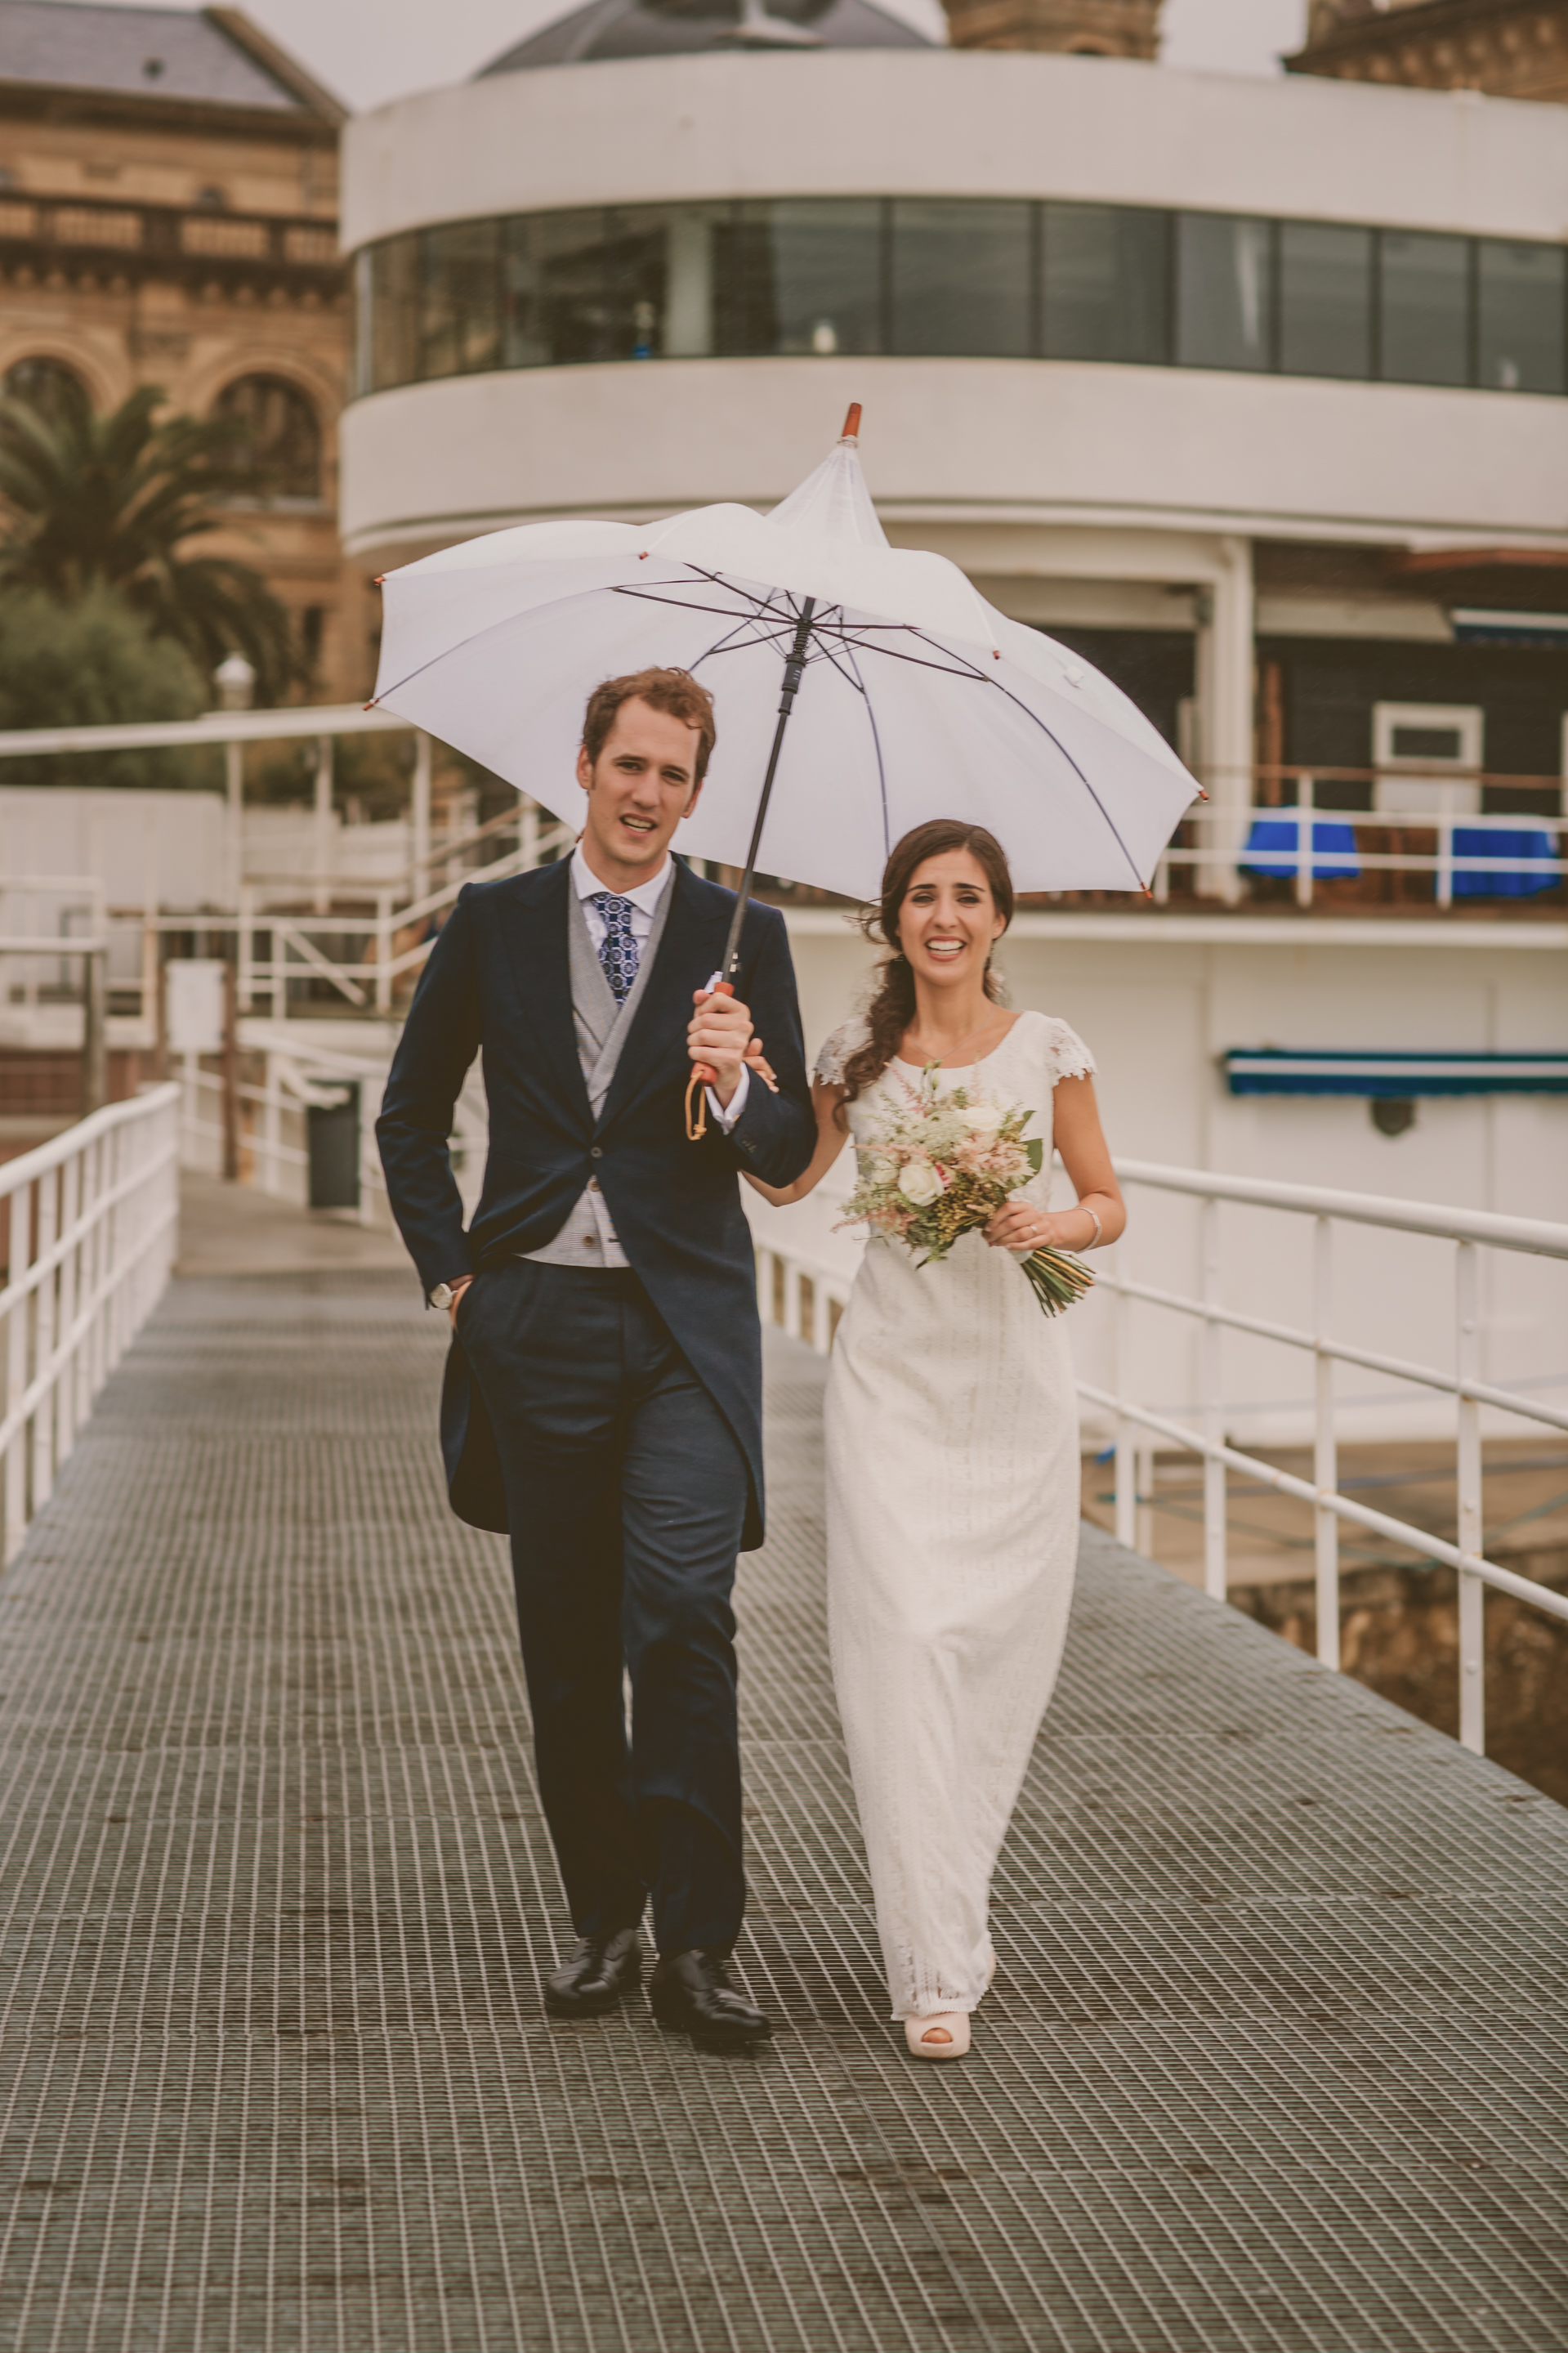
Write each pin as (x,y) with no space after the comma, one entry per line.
(267,1122)
(800,1292)
(1235,838)
(363,935)
(89,1222)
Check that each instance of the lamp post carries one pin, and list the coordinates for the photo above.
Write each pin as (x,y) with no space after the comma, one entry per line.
(236,682)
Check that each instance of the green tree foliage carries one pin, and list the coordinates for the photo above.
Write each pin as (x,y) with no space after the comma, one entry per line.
(119,500)
(94,662)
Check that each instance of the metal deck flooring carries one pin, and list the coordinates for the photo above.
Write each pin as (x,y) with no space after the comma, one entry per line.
(1277,2056)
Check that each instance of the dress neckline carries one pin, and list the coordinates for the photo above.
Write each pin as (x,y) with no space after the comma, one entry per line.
(981,1060)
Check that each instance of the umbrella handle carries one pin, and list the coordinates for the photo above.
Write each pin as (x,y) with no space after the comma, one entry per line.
(703,1075)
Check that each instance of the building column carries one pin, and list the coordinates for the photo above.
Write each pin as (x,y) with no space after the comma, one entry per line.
(1225,693)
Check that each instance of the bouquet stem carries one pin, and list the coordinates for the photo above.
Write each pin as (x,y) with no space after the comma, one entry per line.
(1058,1278)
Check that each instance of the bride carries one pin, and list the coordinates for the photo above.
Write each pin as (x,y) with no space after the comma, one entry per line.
(952,1427)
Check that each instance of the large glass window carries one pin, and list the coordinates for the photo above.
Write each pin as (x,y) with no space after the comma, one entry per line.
(1426,309)
(460,315)
(392,346)
(1106,291)
(585,286)
(807,277)
(961,277)
(1224,291)
(799,278)
(1520,323)
(276,430)
(1325,299)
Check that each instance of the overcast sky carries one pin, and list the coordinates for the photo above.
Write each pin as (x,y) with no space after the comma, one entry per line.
(372,51)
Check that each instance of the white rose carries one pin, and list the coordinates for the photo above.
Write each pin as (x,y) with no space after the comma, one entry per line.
(984,1119)
(919,1184)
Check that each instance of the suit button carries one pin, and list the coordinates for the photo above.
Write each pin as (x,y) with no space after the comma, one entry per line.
(595,1152)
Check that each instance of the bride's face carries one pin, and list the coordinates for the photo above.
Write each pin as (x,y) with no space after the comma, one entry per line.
(949,919)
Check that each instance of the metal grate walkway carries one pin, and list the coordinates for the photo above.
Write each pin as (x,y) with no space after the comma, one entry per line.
(1275,2058)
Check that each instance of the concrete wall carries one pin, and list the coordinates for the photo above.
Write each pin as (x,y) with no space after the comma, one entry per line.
(914,122)
(1008,442)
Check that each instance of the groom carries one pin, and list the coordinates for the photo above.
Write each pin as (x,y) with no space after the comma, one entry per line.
(603,1396)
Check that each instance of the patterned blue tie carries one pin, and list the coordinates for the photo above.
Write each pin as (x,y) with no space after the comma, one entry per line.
(618,948)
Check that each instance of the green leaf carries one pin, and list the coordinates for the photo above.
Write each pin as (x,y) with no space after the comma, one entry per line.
(1035,1153)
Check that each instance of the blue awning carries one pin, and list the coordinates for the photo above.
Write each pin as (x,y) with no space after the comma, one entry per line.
(1482,625)
(1286,1071)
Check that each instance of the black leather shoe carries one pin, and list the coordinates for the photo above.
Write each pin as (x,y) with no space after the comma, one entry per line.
(691,1992)
(599,1972)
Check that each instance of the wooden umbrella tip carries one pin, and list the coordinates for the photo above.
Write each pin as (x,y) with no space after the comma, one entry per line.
(851,423)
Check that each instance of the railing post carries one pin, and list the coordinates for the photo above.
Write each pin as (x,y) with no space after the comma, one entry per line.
(94,1030)
(1126,1460)
(1305,833)
(49,1195)
(1144,1496)
(1472,1593)
(323,827)
(1212,1410)
(1325,1452)
(421,860)
(22,1255)
(271,1126)
(1445,853)
(384,951)
(234,801)
(65,1417)
(245,950)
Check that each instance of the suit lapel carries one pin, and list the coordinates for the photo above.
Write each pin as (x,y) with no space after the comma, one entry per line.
(659,1023)
(541,957)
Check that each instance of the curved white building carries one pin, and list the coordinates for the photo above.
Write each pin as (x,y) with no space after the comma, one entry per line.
(1229,380)
(1254,391)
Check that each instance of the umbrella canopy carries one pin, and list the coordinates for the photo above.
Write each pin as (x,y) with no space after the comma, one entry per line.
(918,699)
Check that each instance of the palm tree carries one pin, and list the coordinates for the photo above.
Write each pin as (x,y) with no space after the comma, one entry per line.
(118,498)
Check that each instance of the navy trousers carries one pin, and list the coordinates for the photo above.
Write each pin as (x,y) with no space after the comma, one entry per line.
(626,1497)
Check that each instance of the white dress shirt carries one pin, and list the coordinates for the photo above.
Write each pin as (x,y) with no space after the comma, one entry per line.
(644,903)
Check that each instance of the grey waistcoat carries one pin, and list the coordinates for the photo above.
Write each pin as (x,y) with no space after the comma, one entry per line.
(588,1238)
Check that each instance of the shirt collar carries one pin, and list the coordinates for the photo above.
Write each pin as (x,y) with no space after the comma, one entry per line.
(646,895)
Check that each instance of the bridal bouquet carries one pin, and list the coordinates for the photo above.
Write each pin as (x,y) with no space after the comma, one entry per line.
(944,1167)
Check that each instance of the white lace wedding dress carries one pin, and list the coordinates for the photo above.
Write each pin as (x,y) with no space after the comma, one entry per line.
(952,1509)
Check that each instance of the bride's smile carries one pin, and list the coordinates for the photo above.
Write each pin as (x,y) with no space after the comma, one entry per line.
(949,923)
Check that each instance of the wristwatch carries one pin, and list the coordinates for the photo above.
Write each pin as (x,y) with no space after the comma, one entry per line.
(444,1295)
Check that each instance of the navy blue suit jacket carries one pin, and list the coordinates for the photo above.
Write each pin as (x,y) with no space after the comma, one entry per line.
(497,983)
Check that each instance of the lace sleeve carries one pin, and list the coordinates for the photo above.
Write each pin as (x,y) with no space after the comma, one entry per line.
(1070,1058)
(847,1039)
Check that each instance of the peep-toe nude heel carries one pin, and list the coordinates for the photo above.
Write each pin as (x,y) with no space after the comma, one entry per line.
(954,2023)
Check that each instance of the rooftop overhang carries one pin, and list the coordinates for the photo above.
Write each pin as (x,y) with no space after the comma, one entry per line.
(954,122)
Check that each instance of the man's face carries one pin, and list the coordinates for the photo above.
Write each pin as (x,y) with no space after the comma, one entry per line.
(641,787)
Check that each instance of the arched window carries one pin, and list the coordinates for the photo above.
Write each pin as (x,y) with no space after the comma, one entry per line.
(278,431)
(45,385)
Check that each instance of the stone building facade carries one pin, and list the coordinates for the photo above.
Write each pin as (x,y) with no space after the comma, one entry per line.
(1095,28)
(1509,48)
(168,216)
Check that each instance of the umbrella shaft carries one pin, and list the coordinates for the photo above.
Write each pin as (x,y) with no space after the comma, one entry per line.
(795,666)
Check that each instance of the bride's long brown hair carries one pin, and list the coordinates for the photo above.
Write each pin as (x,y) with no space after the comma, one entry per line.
(892,1009)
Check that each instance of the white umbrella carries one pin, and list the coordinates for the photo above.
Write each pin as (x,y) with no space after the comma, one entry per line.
(916,698)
